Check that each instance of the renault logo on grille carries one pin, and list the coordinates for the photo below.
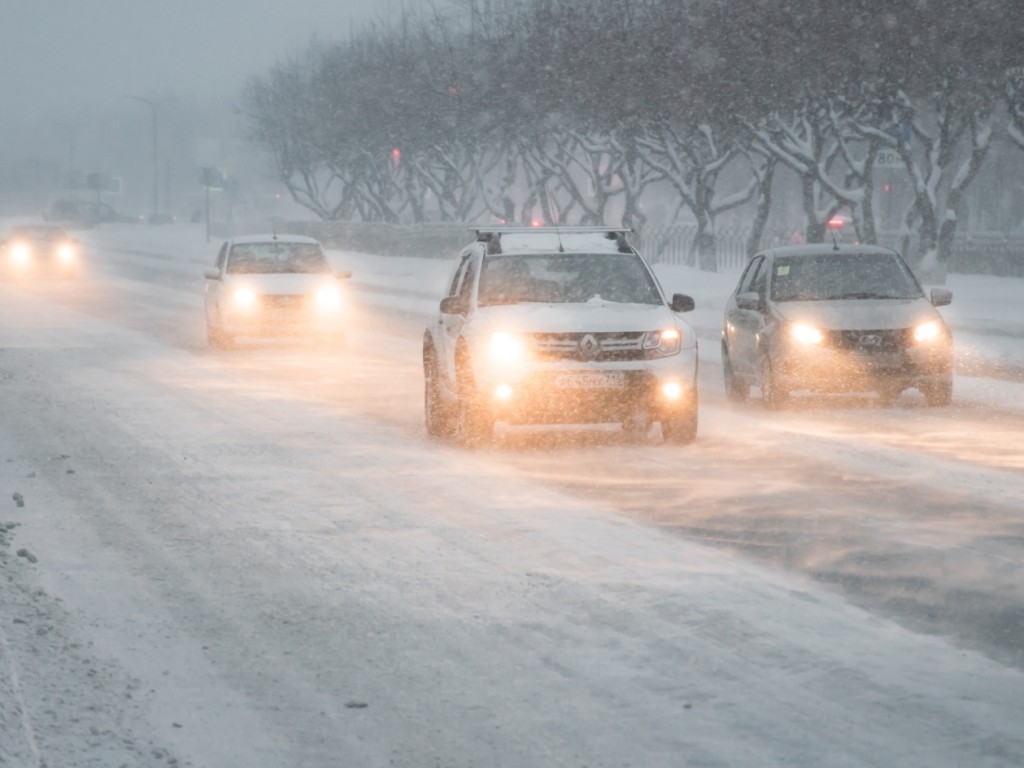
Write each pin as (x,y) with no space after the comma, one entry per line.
(870,339)
(589,347)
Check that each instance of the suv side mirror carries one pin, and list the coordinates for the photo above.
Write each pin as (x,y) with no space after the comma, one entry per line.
(682,303)
(452,305)
(941,297)
(212,274)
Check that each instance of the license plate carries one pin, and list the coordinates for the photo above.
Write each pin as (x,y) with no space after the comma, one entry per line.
(596,380)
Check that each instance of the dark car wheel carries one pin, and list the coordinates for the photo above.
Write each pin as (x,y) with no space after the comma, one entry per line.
(737,390)
(889,393)
(939,394)
(773,394)
(438,415)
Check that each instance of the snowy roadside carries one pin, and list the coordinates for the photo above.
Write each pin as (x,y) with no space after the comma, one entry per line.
(44,649)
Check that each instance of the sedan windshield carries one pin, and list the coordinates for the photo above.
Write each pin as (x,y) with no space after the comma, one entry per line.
(564,278)
(837,276)
(277,258)
(39,233)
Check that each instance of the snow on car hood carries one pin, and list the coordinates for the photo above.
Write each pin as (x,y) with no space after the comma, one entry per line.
(595,316)
(284,284)
(859,314)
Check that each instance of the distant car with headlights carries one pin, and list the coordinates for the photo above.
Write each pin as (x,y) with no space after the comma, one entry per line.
(835,318)
(273,286)
(545,326)
(39,250)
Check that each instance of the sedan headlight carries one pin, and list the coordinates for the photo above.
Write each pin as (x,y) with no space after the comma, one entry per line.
(662,343)
(328,299)
(66,253)
(244,297)
(506,349)
(805,334)
(926,332)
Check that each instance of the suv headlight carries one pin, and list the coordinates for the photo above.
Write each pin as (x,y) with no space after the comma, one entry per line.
(805,334)
(662,343)
(927,332)
(66,253)
(506,349)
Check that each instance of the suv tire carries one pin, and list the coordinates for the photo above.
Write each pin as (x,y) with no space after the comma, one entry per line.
(681,428)
(438,415)
(474,423)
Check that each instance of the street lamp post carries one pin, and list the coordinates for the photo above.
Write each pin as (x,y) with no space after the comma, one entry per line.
(155,108)
(70,129)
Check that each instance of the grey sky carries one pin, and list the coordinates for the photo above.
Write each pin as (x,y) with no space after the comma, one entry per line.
(61,59)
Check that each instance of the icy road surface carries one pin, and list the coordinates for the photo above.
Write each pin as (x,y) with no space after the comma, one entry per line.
(256,558)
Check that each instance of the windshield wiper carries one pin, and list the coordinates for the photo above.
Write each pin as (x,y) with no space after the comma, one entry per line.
(863,295)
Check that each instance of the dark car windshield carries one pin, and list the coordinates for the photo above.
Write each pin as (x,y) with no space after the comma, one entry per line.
(562,278)
(836,276)
(40,233)
(276,258)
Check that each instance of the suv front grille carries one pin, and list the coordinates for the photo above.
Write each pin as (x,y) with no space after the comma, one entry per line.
(611,346)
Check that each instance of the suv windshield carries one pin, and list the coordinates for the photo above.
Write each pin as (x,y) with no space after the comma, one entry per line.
(835,276)
(277,258)
(565,278)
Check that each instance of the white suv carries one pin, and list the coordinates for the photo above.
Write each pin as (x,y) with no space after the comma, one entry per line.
(558,326)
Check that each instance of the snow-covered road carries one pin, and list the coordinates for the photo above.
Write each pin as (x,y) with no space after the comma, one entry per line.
(258,558)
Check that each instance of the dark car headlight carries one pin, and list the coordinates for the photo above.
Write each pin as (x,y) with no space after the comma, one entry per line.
(662,343)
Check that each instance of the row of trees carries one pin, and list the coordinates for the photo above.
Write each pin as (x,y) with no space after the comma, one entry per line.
(587,110)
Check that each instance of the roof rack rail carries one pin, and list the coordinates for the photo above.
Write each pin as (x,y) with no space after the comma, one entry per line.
(492,235)
(483,233)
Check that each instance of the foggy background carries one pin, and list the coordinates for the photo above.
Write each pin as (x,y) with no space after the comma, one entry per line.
(68,66)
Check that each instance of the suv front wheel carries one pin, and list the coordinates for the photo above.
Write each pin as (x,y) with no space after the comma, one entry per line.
(438,413)
(682,427)
(474,422)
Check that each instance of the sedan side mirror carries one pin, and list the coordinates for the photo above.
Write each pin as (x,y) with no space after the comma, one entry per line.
(212,274)
(452,305)
(941,297)
(682,303)
(343,274)
(748,301)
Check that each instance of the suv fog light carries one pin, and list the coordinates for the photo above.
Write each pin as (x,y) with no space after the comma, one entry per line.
(672,390)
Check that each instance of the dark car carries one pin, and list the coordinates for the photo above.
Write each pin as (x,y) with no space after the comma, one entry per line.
(835,318)
(39,249)
(85,214)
